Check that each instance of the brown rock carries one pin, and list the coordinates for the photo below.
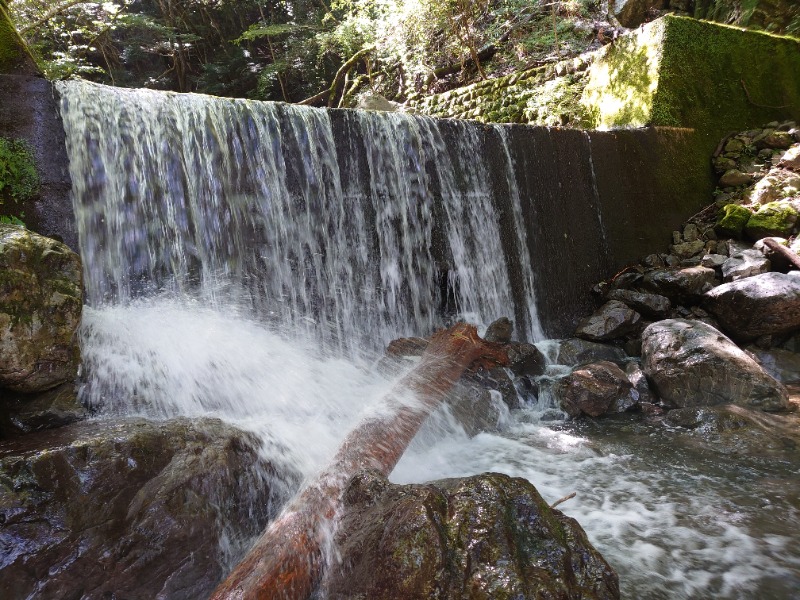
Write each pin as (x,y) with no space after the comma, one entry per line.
(596,389)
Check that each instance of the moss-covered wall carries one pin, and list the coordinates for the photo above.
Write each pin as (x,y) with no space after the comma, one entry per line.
(546,95)
(14,54)
(680,72)
(776,16)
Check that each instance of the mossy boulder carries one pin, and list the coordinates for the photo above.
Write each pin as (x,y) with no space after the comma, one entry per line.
(732,220)
(487,536)
(680,72)
(772,219)
(40,309)
(15,59)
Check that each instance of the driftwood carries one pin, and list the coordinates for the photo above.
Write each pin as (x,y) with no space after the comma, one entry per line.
(793,258)
(287,560)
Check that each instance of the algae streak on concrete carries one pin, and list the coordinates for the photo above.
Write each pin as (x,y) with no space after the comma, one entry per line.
(680,72)
(14,54)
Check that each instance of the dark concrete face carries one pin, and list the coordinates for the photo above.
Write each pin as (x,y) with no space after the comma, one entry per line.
(29,111)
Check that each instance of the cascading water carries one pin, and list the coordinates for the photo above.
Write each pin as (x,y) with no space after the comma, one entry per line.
(247,259)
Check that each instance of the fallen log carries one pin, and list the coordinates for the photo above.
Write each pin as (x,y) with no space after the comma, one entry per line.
(287,560)
(783,251)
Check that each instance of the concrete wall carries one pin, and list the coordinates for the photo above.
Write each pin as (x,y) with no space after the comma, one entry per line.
(29,111)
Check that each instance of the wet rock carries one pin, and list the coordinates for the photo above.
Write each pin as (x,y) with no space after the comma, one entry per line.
(760,305)
(693,364)
(772,219)
(411,346)
(639,382)
(476,408)
(782,364)
(500,331)
(487,536)
(649,305)
(25,413)
(499,380)
(682,285)
(575,351)
(732,219)
(730,429)
(40,309)
(131,508)
(525,359)
(745,264)
(595,389)
(611,321)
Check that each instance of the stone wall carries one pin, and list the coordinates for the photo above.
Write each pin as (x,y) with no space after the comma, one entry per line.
(546,95)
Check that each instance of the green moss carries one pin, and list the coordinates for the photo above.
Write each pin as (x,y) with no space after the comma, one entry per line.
(680,72)
(14,55)
(732,220)
(19,179)
(774,218)
(744,78)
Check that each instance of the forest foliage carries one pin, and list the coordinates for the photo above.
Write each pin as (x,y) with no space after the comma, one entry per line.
(293,49)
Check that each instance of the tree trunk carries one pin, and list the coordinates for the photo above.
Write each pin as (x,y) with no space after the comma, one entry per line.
(287,560)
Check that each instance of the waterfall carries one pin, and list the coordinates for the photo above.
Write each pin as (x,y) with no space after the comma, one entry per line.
(353,236)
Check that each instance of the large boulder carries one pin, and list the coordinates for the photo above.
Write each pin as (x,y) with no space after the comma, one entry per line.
(40,309)
(130,508)
(761,305)
(596,389)
(487,536)
(653,306)
(681,285)
(575,351)
(692,364)
(632,13)
(611,321)
(782,364)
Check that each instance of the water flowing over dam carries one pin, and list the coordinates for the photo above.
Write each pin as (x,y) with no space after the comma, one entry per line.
(251,260)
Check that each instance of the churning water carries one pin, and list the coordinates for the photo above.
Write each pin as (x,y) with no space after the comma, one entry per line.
(243,261)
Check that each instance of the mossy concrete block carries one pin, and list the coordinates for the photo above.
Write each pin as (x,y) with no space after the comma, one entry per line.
(680,72)
(774,218)
(732,220)
(777,16)
(14,55)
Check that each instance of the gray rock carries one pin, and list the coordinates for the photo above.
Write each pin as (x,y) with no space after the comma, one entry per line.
(734,178)
(595,389)
(760,305)
(372,101)
(693,364)
(486,536)
(782,364)
(25,413)
(688,249)
(713,261)
(40,309)
(778,261)
(472,405)
(745,264)
(691,233)
(574,351)
(682,285)
(649,305)
(500,331)
(791,159)
(638,379)
(611,321)
(525,359)
(131,508)
(632,13)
